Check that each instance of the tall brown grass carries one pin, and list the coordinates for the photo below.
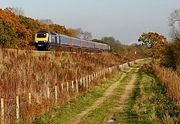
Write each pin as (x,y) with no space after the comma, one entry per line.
(23,72)
(171,80)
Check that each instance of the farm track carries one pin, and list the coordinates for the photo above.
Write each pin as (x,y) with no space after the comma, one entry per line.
(81,118)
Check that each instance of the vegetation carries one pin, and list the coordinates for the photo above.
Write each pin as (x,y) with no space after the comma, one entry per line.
(170,80)
(166,64)
(68,111)
(23,72)
(167,53)
(17,31)
(149,103)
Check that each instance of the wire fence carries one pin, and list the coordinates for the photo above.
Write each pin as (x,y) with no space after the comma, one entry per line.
(27,107)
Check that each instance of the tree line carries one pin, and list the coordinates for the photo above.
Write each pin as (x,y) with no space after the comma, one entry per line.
(166,52)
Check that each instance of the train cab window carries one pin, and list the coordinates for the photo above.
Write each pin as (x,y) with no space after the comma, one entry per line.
(41,35)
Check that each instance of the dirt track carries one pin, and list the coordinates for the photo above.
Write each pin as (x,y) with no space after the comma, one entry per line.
(109,92)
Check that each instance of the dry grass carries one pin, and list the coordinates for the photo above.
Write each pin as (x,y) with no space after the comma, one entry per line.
(23,72)
(171,81)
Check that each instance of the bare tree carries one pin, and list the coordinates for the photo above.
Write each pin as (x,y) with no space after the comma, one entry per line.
(16,10)
(75,32)
(46,21)
(86,35)
(174,23)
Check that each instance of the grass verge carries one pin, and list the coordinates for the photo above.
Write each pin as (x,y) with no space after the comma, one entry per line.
(149,103)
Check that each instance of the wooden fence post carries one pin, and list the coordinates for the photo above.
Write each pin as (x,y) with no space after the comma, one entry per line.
(86,82)
(72,84)
(80,81)
(77,87)
(17,108)
(89,80)
(29,97)
(67,84)
(56,94)
(2,111)
(48,93)
(62,88)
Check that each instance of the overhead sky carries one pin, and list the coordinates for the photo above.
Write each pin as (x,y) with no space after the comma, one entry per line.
(124,20)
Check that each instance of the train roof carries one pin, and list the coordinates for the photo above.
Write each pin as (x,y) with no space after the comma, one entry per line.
(42,31)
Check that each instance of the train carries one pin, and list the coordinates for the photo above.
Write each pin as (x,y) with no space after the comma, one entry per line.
(44,39)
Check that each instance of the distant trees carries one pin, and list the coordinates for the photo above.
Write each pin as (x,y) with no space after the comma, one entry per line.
(46,21)
(16,10)
(174,23)
(168,53)
(115,45)
(79,33)
(75,32)
(86,35)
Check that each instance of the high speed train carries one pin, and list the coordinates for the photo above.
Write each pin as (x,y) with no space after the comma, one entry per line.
(44,39)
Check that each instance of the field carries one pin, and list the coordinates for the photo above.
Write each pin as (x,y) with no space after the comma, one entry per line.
(133,95)
(49,87)
(35,80)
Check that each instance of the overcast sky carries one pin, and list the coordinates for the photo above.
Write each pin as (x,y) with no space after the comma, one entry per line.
(124,20)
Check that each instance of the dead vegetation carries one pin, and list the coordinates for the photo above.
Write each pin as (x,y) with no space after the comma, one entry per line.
(24,72)
(171,80)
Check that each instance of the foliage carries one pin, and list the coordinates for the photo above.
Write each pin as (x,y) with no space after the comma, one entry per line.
(130,51)
(151,39)
(166,52)
(154,41)
(22,72)
(170,80)
(169,57)
(58,29)
(149,103)
(75,32)
(17,31)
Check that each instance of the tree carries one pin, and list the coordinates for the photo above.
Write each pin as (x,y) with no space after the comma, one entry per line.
(174,23)
(151,38)
(154,42)
(115,45)
(46,21)
(75,32)
(86,35)
(16,10)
